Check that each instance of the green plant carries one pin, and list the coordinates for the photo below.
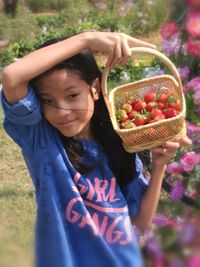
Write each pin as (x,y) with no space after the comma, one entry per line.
(42,5)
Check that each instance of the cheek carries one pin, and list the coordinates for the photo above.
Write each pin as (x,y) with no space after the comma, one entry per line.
(86,115)
(47,113)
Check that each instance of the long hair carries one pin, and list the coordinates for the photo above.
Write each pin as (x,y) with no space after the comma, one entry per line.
(122,163)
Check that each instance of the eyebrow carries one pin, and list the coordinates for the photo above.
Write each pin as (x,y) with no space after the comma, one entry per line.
(43,94)
(66,89)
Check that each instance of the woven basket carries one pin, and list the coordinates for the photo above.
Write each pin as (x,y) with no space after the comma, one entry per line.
(153,134)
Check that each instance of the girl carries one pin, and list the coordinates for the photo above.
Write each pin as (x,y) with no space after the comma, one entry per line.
(88,189)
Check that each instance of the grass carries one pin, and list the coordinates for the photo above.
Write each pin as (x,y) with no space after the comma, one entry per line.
(17,206)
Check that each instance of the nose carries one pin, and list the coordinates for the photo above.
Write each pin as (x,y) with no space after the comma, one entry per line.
(62,111)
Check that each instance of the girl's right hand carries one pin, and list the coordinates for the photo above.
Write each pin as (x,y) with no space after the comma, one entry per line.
(116,45)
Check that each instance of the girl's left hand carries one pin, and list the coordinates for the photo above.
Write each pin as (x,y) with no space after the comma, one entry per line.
(163,154)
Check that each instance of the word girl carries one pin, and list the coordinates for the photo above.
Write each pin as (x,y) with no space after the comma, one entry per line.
(89,190)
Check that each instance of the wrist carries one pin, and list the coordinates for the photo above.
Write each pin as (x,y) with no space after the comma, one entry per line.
(82,40)
(87,39)
(159,166)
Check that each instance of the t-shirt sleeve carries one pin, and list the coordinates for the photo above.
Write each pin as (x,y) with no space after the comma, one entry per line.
(22,118)
(25,112)
(135,189)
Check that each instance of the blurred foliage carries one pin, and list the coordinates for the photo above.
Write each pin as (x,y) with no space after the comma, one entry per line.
(28,29)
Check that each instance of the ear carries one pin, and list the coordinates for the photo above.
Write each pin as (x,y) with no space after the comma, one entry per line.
(95,89)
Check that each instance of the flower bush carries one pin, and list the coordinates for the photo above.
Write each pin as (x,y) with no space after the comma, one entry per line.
(176,229)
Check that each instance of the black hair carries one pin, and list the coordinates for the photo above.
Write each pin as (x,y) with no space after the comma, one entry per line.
(122,163)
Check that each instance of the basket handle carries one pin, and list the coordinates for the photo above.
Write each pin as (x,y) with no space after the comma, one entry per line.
(147,50)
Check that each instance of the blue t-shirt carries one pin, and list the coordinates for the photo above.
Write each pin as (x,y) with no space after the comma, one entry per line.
(82,220)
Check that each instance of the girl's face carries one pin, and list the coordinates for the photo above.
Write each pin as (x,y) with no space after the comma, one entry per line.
(67,102)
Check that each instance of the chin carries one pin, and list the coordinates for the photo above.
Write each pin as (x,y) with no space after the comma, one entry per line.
(69,133)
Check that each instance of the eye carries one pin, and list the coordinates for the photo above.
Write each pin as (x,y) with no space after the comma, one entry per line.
(73,96)
(47,101)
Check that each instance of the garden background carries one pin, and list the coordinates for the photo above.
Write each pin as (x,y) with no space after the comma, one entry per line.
(174,26)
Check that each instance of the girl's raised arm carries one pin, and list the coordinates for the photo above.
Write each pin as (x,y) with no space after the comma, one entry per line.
(17,75)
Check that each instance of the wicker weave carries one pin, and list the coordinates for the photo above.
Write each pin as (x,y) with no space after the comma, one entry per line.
(153,134)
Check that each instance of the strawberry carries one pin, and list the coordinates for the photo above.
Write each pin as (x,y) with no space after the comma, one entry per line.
(174,103)
(139,119)
(131,114)
(131,100)
(127,107)
(163,97)
(161,105)
(159,117)
(148,117)
(128,124)
(151,105)
(140,105)
(155,112)
(122,115)
(170,113)
(149,97)
(176,106)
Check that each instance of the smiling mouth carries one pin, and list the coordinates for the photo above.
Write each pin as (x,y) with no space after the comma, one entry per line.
(67,124)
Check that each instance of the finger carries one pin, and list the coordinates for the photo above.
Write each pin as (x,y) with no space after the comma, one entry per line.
(159,150)
(183,140)
(116,56)
(110,59)
(126,53)
(136,42)
(171,147)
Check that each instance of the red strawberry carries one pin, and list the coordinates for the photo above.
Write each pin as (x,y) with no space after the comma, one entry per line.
(170,113)
(148,117)
(176,106)
(131,100)
(151,105)
(155,112)
(161,105)
(174,103)
(150,97)
(163,97)
(159,117)
(139,119)
(131,114)
(139,106)
(127,107)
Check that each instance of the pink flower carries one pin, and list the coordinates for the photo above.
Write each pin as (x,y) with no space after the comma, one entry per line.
(194,3)
(193,84)
(192,129)
(161,220)
(173,45)
(174,167)
(193,48)
(168,29)
(189,160)
(188,233)
(178,191)
(193,261)
(196,98)
(184,72)
(192,24)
